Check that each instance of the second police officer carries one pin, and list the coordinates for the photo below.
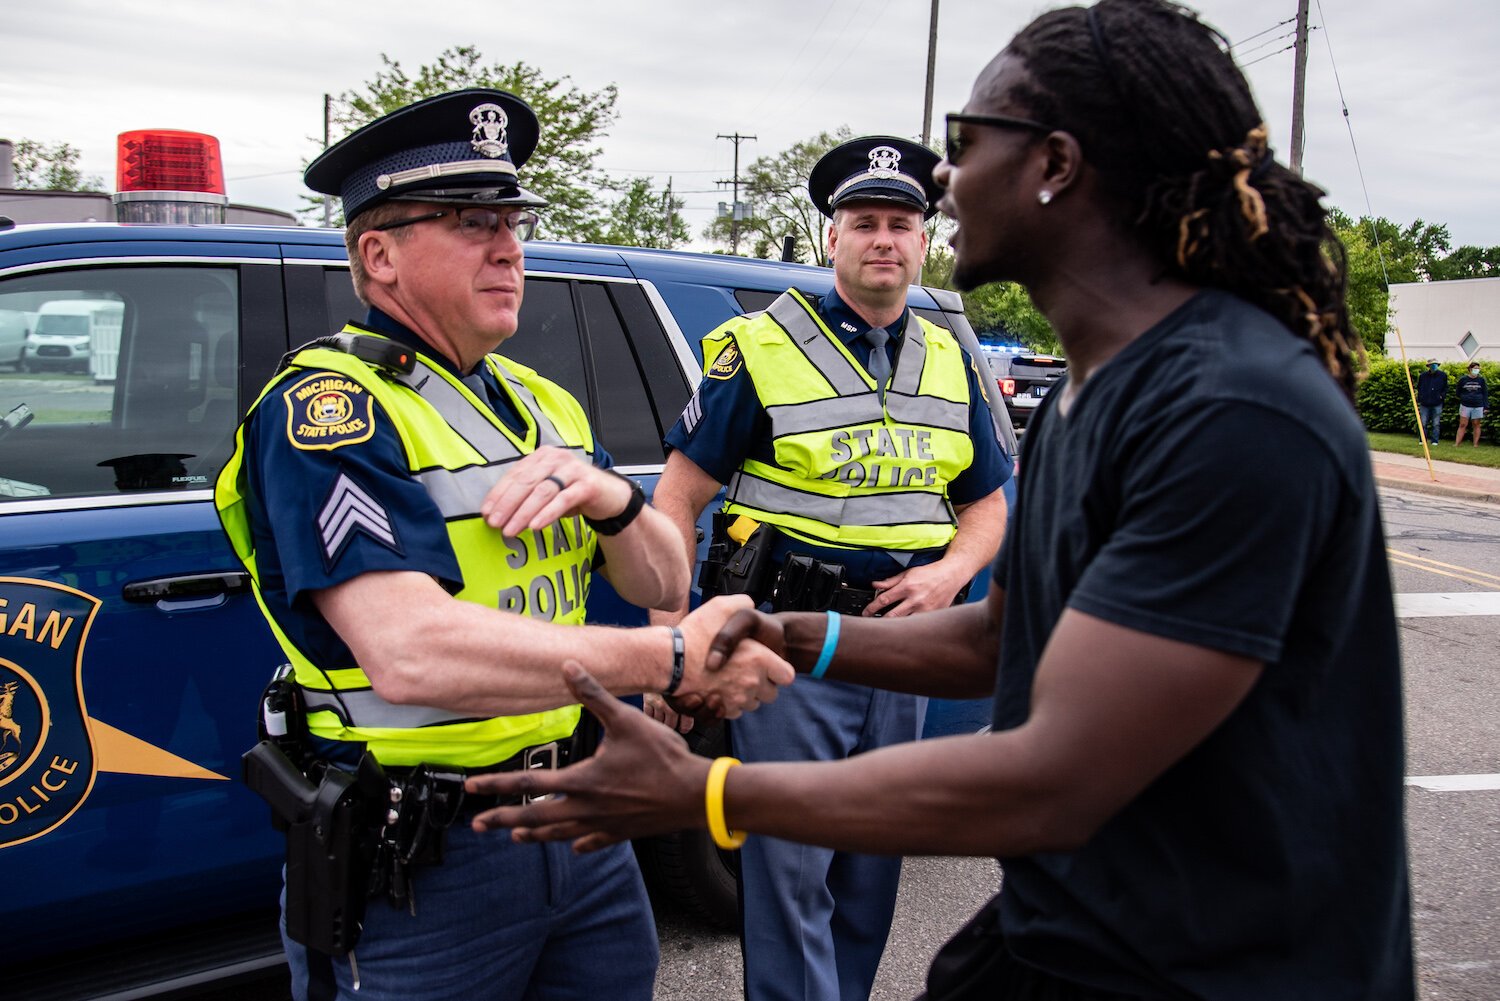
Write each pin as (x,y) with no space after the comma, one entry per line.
(864,477)
(420,517)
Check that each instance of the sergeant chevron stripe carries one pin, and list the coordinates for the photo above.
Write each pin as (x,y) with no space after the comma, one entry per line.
(692,413)
(348,510)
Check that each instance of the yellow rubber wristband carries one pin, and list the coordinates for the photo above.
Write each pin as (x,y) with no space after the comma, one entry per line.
(713,801)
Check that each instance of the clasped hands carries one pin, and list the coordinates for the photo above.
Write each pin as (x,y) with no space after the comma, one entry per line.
(643,780)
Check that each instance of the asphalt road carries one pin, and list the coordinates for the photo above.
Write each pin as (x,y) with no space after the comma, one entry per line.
(1452,674)
(1452,670)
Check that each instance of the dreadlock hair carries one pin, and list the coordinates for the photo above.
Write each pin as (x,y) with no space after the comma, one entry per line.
(1166,117)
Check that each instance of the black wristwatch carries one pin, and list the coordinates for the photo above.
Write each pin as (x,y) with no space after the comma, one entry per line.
(616,525)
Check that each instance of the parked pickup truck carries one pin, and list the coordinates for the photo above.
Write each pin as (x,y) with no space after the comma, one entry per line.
(132,653)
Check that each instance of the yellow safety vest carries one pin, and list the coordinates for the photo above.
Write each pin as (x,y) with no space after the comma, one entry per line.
(849,470)
(457,448)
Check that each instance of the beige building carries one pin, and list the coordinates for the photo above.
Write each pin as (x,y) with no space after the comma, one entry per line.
(1451,321)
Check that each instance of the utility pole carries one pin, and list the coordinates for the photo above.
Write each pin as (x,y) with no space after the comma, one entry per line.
(931,67)
(666,221)
(1299,86)
(327,116)
(736,210)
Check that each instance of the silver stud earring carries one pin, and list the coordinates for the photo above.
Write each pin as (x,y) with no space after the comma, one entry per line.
(1044,196)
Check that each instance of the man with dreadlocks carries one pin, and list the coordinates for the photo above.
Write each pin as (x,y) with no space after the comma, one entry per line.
(1194,781)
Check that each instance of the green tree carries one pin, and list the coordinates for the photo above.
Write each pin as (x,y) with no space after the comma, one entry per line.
(644,217)
(564,169)
(54,167)
(1471,262)
(776,191)
(1381,252)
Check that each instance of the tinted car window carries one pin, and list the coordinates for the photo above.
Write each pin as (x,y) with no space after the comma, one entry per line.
(128,376)
(626,424)
(548,337)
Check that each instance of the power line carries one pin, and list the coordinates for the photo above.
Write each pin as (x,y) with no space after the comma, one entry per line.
(1348,124)
(1242,41)
(1270,41)
(800,90)
(1269,55)
(796,60)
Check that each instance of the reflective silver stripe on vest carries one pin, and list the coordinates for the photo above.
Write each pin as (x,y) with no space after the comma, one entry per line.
(850,411)
(823,415)
(458,492)
(928,411)
(547,433)
(809,335)
(886,508)
(460,414)
(362,707)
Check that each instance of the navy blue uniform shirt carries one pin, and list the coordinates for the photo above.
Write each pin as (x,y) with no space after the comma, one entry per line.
(724,424)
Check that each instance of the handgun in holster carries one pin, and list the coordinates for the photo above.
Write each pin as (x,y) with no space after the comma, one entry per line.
(324,812)
(739,558)
(329,850)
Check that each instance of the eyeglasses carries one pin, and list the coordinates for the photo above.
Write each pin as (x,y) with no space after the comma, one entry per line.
(957,145)
(478,225)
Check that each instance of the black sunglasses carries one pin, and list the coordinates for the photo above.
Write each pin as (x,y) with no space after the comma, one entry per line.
(957,145)
(478,224)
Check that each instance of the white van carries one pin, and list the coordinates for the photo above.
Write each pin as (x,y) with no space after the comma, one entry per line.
(71,332)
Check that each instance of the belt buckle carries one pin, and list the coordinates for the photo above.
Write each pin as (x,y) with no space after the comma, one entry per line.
(545,757)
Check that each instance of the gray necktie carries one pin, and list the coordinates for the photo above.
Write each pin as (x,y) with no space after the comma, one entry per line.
(879,365)
(476,385)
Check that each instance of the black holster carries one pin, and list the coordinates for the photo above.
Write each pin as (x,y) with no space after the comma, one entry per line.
(329,846)
(730,568)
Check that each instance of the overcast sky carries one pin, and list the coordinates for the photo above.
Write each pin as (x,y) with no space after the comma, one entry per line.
(1419,81)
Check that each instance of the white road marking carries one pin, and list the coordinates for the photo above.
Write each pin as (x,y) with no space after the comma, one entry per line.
(1413,606)
(1454,783)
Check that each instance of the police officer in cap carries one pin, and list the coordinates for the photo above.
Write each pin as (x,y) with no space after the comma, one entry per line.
(863,470)
(420,517)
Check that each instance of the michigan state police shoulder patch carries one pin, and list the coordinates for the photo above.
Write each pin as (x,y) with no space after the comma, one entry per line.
(728,362)
(326,410)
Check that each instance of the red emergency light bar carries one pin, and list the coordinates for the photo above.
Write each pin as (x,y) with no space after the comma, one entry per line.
(168,160)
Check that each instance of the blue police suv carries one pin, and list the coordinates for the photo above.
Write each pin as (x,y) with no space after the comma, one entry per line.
(132,654)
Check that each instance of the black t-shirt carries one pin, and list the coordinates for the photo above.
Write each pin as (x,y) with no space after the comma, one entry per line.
(1211,484)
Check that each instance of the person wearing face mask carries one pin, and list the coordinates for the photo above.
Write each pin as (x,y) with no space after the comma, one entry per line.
(1432,387)
(1473,397)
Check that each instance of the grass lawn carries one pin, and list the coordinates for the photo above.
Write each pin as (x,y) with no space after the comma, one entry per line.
(1408,444)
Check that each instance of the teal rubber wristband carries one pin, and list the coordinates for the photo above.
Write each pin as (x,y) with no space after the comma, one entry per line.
(830,644)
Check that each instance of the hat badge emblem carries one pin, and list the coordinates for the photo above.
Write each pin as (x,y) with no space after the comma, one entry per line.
(885,161)
(489,122)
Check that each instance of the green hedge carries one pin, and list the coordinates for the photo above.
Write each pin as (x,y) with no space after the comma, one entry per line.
(1384,401)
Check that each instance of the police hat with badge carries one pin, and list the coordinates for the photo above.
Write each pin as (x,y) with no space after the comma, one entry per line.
(876,168)
(459,148)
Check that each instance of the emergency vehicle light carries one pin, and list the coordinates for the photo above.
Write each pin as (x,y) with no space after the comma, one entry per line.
(166,176)
(168,160)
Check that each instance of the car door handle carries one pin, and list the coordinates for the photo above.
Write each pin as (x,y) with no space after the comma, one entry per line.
(187,586)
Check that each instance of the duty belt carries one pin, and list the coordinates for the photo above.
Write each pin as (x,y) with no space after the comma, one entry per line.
(806,584)
(449,782)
